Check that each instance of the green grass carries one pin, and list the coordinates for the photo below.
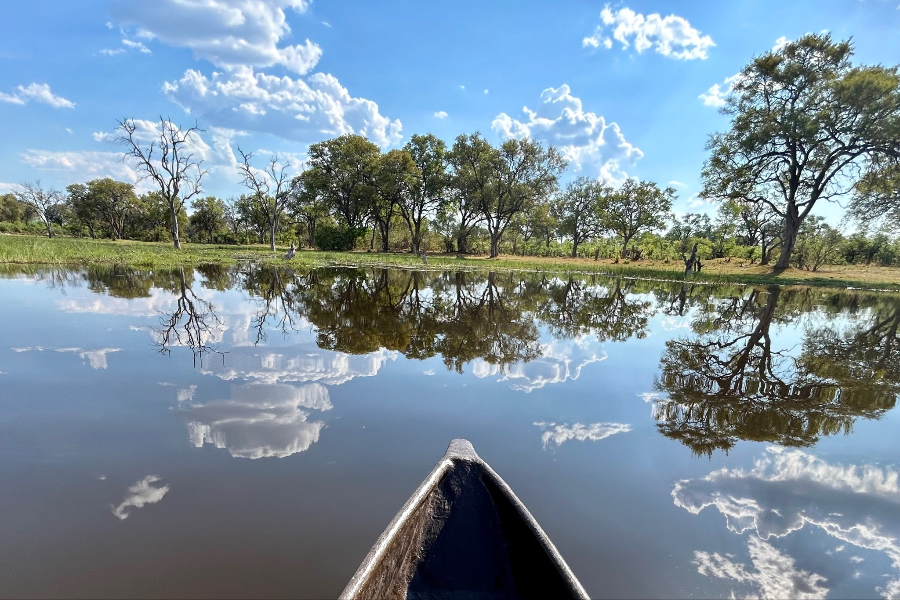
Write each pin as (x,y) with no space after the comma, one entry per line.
(33,250)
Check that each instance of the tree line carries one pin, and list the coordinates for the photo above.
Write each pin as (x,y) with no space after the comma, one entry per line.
(807,126)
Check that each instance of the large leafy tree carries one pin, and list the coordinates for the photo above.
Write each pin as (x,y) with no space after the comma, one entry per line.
(636,206)
(576,210)
(83,206)
(114,201)
(346,164)
(506,180)
(804,123)
(309,204)
(876,201)
(391,181)
(427,183)
(208,218)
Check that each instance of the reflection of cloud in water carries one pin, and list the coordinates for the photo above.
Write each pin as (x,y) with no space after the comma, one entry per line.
(787,490)
(159,301)
(302,362)
(775,573)
(186,393)
(557,434)
(649,396)
(674,324)
(141,493)
(260,420)
(95,358)
(560,361)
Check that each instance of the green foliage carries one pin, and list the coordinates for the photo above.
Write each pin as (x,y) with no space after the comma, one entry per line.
(636,206)
(817,244)
(804,121)
(207,222)
(341,238)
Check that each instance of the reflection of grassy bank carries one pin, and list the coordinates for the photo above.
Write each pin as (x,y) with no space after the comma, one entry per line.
(69,251)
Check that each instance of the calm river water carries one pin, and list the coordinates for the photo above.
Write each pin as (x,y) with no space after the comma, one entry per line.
(250,432)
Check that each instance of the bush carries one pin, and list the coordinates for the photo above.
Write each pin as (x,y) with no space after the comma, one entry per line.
(338,238)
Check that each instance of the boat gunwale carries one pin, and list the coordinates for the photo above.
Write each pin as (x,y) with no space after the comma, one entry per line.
(459,449)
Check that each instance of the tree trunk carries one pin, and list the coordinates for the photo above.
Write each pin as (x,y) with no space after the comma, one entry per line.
(415,230)
(764,257)
(574,248)
(175,233)
(311,225)
(690,262)
(385,233)
(49,227)
(625,247)
(272,229)
(462,245)
(791,227)
(495,245)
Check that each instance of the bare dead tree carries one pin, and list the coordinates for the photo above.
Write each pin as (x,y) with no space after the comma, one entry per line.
(168,160)
(270,189)
(40,200)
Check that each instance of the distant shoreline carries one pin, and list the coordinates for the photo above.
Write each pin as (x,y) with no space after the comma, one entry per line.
(35,250)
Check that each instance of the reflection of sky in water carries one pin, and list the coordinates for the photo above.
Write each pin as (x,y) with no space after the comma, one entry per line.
(140,494)
(304,362)
(557,434)
(259,420)
(786,491)
(560,361)
(354,434)
(95,358)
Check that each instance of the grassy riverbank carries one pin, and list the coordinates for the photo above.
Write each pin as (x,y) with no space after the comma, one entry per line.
(20,249)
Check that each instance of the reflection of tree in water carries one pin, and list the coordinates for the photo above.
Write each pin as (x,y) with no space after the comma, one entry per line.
(576,307)
(461,316)
(191,323)
(728,382)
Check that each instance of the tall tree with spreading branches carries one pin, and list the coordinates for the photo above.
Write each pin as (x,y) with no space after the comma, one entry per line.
(636,206)
(165,154)
(507,180)
(805,123)
(576,210)
(428,182)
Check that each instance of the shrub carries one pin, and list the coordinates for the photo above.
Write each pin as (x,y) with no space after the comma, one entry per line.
(338,238)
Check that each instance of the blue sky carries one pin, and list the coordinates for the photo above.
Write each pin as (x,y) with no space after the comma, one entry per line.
(622,88)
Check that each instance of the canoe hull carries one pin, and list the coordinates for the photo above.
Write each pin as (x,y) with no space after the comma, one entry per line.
(463,534)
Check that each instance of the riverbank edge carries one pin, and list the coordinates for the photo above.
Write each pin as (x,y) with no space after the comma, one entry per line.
(33,250)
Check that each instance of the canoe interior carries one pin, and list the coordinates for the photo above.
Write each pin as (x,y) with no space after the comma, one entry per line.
(466,539)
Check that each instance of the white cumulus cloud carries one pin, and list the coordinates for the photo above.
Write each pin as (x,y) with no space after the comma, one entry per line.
(716,95)
(36,92)
(584,138)
(227,33)
(296,109)
(440,114)
(671,36)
